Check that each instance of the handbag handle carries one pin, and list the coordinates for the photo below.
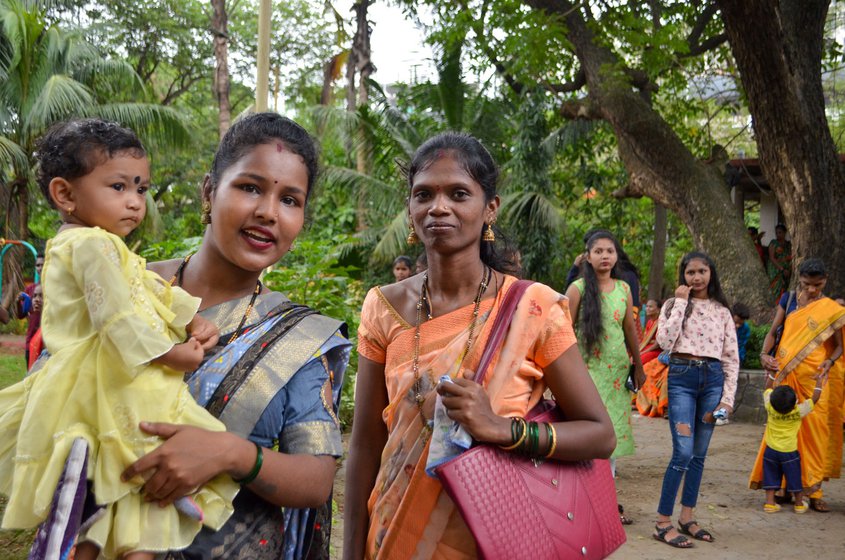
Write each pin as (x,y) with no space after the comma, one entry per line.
(500,326)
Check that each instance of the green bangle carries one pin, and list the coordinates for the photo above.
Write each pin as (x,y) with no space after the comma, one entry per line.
(256,468)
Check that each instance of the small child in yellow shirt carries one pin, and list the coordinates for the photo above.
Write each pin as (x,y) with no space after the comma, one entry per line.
(781,458)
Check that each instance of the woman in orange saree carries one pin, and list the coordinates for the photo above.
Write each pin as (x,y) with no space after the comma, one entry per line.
(437,323)
(653,397)
(811,345)
(649,349)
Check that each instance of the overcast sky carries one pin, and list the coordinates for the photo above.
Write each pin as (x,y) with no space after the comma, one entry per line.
(397,45)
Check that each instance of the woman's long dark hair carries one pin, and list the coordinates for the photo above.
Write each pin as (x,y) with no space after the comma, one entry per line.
(479,164)
(714,288)
(589,316)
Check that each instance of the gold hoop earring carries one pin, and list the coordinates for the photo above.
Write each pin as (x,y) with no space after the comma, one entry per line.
(489,234)
(205,215)
(412,235)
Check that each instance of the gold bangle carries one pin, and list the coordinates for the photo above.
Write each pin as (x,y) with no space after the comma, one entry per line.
(521,438)
(550,429)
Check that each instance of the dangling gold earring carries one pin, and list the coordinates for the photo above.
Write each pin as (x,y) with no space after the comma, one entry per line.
(70,211)
(412,235)
(489,234)
(205,215)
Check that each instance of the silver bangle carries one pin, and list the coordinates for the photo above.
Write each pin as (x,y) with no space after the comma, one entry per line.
(817,389)
(771,377)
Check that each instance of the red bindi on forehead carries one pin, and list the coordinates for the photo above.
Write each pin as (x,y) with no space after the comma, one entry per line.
(280,147)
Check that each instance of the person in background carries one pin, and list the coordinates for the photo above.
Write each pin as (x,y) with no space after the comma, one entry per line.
(36,343)
(780,263)
(697,329)
(600,306)
(755,238)
(781,458)
(741,314)
(812,342)
(627,272)
(26,308)
(422,263)
(649,349)
(402,267)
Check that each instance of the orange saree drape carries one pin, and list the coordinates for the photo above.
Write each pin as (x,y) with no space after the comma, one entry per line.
(806,342)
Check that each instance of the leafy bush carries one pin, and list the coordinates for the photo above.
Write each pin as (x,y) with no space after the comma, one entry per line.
(312,274)
(755,346)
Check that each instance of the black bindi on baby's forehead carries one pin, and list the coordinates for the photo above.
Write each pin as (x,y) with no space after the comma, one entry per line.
(137,179)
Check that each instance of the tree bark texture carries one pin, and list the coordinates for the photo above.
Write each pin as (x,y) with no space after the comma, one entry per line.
(659,165)
(778,50)
(360,64)
(220,37)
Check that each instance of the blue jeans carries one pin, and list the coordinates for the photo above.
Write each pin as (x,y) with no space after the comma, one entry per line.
(693,391)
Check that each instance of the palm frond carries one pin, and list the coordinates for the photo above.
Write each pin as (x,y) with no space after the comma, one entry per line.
(393,240)
(572,133)
(532,210)
(12,156)
(61,97)
(156,125)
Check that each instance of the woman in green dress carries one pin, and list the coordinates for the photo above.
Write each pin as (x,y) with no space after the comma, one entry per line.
(602,310)
(780,263)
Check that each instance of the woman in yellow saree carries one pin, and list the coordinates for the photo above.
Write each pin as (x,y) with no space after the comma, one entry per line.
(437,323)
(811,345)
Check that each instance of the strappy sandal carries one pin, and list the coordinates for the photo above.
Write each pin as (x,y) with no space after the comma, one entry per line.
(622,519)
(678,542)
(700,535)
(819,505)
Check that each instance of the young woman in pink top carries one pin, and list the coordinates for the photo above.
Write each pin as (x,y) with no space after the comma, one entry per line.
(697,327)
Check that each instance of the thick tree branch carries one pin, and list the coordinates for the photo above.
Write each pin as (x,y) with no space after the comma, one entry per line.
(694,42)
(578,82)
(580,109)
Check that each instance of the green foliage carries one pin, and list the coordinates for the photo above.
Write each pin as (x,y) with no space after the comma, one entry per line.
(12,369)
(755,346)
(314,275)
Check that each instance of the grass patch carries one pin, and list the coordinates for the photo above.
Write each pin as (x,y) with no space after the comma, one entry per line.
(13,544)
(11,369)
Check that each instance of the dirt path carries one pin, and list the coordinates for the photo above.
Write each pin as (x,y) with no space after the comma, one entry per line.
(731,511)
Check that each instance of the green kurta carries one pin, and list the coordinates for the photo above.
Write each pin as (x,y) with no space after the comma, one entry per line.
(608,364)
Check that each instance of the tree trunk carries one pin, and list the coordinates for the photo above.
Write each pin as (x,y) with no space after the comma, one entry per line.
(659,165)
(220,33)
(359,64)
(658,254)
(778,50)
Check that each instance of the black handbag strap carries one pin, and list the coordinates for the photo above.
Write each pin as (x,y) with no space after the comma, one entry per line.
(500,326)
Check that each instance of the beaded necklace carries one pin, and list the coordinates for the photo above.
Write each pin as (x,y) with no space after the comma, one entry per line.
(177,280)
(419,398)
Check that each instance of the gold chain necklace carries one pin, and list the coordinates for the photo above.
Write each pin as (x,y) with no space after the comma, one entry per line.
(419,398)
(176,279)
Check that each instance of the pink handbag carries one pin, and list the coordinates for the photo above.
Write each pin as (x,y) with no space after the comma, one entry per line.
(520,508)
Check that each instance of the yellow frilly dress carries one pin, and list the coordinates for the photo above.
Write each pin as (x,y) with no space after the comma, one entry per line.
(105,319)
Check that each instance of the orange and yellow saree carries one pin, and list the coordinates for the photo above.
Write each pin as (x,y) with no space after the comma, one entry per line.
(410,515)
(806,342)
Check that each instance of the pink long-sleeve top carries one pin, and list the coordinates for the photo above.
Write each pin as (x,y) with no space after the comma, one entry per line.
(709,332)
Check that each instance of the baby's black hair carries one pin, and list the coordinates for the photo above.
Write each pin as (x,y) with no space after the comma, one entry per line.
(741,310)
(783,399)
(72,149)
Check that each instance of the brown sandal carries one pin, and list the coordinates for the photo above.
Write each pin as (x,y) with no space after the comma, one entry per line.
(819,505)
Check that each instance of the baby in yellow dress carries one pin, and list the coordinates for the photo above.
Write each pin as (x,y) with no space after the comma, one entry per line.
(116,336)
